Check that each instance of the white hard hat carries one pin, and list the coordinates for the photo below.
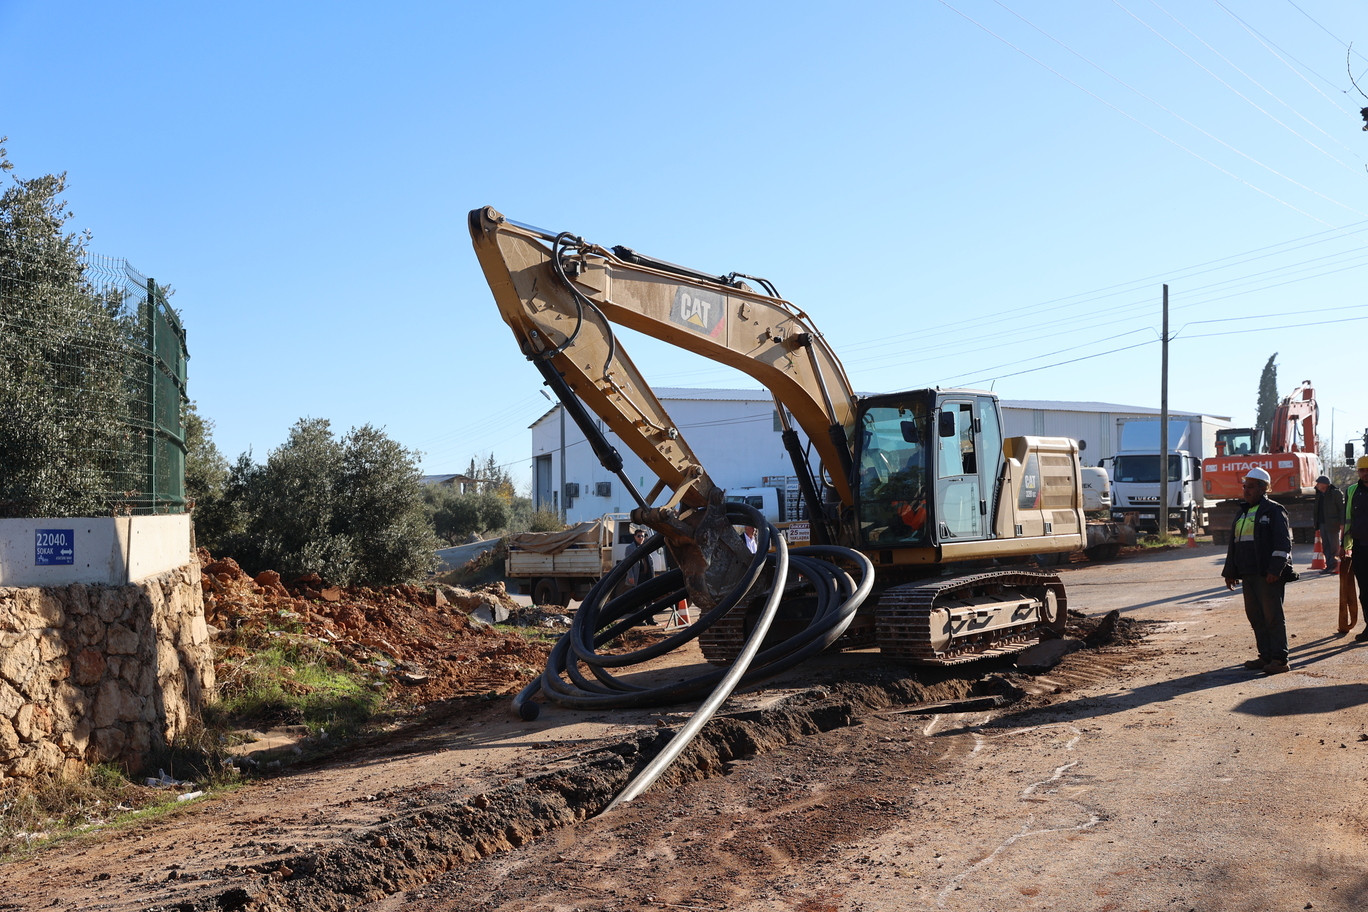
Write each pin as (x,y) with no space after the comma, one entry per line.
(1258,474)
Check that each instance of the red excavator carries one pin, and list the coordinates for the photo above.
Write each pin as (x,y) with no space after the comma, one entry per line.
(1288,452)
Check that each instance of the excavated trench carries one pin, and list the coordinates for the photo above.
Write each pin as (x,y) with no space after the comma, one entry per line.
(434,835)
(434,832)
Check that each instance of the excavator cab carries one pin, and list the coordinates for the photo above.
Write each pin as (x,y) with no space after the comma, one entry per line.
(927,466)
(1240,441)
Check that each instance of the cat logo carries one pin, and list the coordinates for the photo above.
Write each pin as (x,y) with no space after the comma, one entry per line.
(699,310)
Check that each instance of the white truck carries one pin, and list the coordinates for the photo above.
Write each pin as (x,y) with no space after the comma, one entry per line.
(1135,470)
(555,567)
(1096,489)
(777,497)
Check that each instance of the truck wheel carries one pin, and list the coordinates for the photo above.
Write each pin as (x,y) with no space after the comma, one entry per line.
(546,592)
(1108,551)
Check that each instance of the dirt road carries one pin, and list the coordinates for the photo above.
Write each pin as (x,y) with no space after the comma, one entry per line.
(1157,777)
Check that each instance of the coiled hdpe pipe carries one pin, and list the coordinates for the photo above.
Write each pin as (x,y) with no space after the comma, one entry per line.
(595,623)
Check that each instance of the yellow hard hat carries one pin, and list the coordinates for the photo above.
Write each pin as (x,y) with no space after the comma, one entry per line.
(1362,463)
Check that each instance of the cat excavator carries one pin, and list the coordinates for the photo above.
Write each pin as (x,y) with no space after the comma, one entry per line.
(921,485)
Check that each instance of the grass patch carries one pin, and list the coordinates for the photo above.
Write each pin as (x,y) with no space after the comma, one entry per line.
(57,809)
(277,677)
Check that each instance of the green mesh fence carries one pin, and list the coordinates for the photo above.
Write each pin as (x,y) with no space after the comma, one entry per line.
(92,385)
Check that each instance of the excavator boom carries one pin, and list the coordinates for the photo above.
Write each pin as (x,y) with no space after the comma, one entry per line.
(561,301)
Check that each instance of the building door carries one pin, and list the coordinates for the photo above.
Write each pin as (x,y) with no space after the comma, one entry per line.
(542,500)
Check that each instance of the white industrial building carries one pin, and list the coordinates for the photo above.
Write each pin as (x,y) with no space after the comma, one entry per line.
(736,434)
(1092,424)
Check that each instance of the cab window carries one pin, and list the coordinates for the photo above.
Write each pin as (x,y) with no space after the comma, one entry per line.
(892,475)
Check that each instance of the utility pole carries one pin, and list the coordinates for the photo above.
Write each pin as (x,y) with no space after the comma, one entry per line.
(1163,430)
(565,507)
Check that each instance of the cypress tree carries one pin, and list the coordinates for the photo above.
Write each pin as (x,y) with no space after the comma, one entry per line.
(1268,395)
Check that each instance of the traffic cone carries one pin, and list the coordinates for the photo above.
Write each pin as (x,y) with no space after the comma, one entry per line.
(1192,536)
(1317,555)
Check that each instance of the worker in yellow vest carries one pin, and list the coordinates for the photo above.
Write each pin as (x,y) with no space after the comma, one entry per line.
(1260,561)
(1356,530)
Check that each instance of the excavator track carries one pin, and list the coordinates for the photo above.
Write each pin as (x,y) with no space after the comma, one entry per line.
(952,620)
(988,614)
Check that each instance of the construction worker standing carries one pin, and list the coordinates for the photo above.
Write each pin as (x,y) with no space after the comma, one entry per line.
(1328,518)
(1356,530)
(1260,560)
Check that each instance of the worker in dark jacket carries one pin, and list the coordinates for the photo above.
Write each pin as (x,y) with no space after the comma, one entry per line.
(641,569)
(1329,518)
(1260,559)
(1356,530)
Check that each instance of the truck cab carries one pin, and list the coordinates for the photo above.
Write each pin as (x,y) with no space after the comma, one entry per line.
(1135,489)
(769,501)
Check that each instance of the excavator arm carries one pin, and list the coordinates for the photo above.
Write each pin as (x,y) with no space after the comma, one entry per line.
(1294,422)
(562,297)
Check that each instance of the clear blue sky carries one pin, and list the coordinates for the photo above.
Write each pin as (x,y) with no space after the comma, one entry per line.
(958,193)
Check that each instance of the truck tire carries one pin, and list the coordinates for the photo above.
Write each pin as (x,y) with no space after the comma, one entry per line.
(546,592)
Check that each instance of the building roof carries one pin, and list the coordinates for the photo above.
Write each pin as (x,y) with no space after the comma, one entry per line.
(1055,405)
(1052,405)
(445,479)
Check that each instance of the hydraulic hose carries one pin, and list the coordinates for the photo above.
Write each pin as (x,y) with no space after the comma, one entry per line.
(600,620)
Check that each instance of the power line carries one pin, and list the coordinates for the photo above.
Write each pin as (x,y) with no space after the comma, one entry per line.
(1163,108)
(1278,53)
(1237,69)
(1323,28)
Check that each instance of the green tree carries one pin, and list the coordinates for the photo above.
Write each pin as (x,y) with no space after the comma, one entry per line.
(206,471)
(63,346)
(380,508)
(349,510)
(490,476)
(456,516)
(1268,395)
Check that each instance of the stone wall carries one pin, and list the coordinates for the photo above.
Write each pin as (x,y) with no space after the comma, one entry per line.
(94,673)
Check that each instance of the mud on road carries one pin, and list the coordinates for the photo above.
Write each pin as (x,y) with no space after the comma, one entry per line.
(1128,777)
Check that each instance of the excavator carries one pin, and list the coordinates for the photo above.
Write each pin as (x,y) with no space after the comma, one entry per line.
(933,507)
(1290,455)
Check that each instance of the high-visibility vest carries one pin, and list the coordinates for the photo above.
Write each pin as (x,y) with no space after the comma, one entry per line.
(1348,541)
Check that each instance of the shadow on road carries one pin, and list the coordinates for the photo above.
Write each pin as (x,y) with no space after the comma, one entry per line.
(1305,700)
(1296,700)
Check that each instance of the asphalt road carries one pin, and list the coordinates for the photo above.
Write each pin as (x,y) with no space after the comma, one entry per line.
(1186,782)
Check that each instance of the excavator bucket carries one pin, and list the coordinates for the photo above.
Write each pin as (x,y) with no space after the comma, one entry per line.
(705,546)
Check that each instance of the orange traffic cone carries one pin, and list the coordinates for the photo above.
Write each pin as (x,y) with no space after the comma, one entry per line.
(1317,555)
(1192,536)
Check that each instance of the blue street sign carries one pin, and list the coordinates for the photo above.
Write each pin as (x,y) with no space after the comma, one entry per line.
(54,546)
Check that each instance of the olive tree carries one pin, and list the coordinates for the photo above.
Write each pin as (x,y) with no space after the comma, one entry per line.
(348,509)
(63,349)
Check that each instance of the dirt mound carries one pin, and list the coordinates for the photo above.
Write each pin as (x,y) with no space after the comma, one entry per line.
(1111,629)
(425,639)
